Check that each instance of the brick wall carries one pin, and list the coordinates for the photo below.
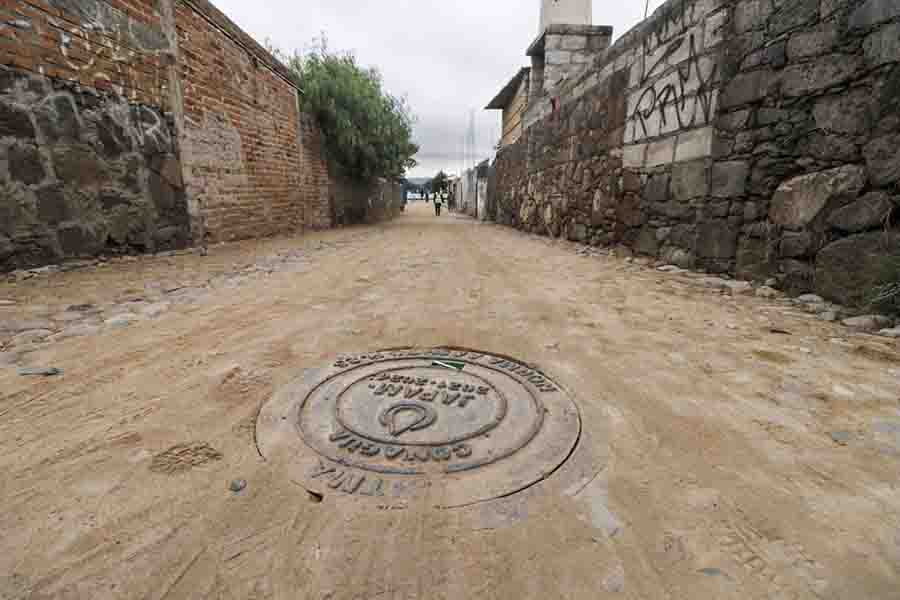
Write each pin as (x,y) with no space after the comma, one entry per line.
(315,181)
(141,125)
(244,166)
(108,45)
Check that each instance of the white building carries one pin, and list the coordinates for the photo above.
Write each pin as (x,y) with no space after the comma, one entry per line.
(566,12)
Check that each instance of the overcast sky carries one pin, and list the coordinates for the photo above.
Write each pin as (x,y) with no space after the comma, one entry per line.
(447,58)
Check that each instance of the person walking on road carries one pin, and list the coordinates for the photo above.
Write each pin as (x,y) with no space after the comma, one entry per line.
(438,201)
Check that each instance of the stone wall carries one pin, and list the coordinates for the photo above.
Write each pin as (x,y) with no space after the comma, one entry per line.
(353,202)
(806,154)
(145,125)
(88,157)
(749,137)
(387,202)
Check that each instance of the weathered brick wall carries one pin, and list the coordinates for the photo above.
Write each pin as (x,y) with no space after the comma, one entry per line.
(751,137)
(87,152)
(242,156)
(114,46)
(141,125)
(315,181)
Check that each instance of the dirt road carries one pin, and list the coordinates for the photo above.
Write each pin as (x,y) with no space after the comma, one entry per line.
(745,449)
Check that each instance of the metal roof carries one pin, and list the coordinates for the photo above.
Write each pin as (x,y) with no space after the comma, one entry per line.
(508,92)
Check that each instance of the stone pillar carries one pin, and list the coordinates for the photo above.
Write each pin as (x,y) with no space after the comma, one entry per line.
(563,52)
(176,106)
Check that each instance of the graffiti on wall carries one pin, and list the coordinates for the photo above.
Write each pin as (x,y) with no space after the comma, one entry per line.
(105,44)
(116,68)
(124,125)
(683,99)
(674,80)
(669,24)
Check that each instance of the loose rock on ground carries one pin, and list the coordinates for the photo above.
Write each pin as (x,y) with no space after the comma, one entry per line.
(716,435)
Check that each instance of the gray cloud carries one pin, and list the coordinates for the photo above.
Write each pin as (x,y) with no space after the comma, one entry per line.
(447,58)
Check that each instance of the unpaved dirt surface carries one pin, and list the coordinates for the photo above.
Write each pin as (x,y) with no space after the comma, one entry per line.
(747,450)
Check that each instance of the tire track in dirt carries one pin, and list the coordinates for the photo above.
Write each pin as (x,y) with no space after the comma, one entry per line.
(717,459)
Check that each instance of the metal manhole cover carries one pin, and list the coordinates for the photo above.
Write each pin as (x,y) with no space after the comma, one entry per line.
(465,426)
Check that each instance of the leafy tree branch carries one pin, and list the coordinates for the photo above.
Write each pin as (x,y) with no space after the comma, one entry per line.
(367,131)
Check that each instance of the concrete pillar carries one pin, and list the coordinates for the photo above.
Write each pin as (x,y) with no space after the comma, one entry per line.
(566,12)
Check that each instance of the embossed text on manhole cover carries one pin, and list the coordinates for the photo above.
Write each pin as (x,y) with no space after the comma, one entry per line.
(459,425)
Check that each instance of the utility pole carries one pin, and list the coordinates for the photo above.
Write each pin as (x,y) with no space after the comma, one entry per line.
(474,140)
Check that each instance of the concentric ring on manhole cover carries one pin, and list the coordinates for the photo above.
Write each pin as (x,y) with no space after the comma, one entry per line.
(461,425)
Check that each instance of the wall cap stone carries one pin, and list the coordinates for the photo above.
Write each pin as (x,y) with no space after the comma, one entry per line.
(538,45)
(216,17)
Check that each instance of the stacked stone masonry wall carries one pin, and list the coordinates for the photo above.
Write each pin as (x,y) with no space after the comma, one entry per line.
(750,137)
(88,152)
(145,125)
(354,202)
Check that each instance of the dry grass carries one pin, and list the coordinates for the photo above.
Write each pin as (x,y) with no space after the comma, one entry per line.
(885,293)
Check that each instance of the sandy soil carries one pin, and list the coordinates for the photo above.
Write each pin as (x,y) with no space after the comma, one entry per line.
(742,463)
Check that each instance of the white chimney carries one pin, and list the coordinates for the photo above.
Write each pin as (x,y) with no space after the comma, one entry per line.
(566,12)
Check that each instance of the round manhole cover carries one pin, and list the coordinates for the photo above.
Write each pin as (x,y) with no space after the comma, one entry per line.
(466,426)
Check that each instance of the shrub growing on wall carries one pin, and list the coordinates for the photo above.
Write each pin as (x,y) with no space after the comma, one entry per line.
(885,294)
(367,131)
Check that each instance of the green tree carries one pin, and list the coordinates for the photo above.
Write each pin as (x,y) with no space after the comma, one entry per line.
(367,131)
(441,182)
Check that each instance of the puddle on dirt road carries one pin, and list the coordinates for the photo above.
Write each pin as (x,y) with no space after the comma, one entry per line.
(453,427)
